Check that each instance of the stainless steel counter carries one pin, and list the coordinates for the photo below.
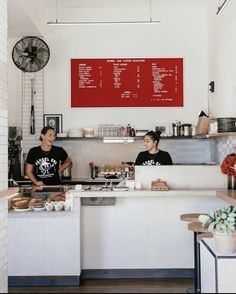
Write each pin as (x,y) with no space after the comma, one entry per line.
(75,181)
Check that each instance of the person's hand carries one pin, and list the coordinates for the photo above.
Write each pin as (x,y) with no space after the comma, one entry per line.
(39,184)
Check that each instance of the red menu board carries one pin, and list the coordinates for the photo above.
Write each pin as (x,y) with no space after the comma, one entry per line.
(127,82)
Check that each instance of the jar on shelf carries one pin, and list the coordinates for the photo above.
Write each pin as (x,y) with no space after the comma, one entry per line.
(89,132)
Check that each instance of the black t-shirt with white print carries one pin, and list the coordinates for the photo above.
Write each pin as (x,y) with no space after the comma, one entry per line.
(159,158)
(46,163)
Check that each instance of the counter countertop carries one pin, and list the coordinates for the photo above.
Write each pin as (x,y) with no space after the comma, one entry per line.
(149,193)
(221,193)
(9,192)
(227,195)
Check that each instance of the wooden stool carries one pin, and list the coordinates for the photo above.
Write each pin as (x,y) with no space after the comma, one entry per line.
(190,217)
(196,227)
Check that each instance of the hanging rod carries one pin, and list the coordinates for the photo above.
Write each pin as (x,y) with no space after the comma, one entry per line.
(62,23)
(100,22)
(220,8)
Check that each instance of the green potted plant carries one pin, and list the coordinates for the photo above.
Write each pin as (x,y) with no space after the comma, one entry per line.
(221,222)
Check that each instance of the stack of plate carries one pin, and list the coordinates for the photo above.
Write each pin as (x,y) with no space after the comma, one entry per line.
(62,135)
(226,124)
(76,132)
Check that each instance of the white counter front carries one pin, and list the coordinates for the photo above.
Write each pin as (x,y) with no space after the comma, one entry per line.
(4,238)
(142,230)
(44,243)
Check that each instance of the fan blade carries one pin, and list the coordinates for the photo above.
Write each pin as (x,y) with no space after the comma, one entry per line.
(20,52)
(42,49)
(39,44)
(25,63)
(30,45)
(38,62)
(23,44)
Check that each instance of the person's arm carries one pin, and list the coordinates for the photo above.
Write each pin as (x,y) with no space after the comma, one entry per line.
(29,173)
(65,164)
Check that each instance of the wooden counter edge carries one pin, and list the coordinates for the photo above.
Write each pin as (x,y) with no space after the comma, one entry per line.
(227,195)
(9,192)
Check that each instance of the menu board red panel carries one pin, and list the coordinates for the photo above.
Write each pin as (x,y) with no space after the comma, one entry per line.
(126,82)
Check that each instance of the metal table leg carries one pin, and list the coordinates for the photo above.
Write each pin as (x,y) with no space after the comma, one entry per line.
(197,266)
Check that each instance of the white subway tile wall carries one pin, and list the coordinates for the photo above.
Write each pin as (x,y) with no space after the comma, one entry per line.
(181,151)
(3,145)
(30,140)
(225,145)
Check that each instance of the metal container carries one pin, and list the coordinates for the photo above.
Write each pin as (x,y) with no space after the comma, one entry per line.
(66,174)
(187,130)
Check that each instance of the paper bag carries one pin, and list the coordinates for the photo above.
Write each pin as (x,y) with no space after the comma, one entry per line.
(203,125)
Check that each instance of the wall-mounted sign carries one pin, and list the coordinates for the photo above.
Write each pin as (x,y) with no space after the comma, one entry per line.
(127,82)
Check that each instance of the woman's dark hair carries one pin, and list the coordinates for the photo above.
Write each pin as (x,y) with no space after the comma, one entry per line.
(44,131)
(155,136)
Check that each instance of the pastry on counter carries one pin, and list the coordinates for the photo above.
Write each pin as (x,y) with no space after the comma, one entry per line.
(35,202)
(20,202)
(57,196)
(159,185)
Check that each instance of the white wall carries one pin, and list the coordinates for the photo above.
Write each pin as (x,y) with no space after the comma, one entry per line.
(222,54)
(171,38)
(187,29)
(14,89)
(3,146)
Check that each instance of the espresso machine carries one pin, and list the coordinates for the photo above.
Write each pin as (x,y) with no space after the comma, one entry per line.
(14,154)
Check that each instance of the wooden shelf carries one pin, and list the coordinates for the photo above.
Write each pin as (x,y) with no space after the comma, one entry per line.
(222,134)
(135,138)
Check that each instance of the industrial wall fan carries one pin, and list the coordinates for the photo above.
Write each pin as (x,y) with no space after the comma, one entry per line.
(30,54)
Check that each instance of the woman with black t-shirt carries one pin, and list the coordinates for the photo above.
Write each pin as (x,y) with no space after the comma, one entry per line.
(45,162)
(153,155)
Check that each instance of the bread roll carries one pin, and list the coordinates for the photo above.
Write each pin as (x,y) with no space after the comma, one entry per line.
(17,199)
(21,204)
(32,202)
(58,196)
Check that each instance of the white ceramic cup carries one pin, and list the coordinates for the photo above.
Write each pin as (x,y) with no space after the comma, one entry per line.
(49,206)
(138,185)
(67,206)
(78,187)
(58,205)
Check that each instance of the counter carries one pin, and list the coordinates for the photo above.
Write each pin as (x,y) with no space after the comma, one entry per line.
(4,238)
(142,230)
(227,195)
(44,247)
(75,181)
(140,235)
(217,269)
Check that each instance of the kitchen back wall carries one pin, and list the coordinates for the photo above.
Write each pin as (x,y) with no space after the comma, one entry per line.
(182,151)
(182,32)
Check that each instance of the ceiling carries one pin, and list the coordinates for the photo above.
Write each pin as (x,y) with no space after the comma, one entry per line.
(29,17)
(19,23)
